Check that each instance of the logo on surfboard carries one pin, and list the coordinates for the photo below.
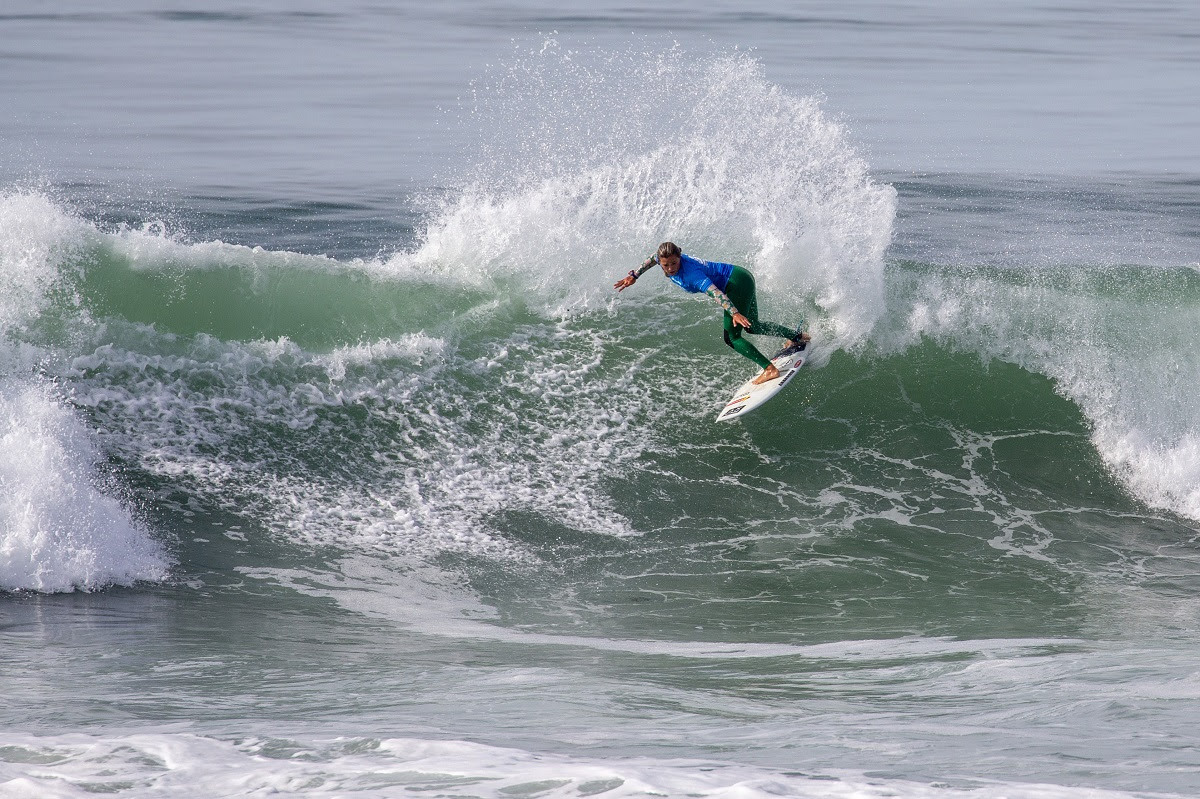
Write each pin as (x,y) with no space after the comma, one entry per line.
(751,395)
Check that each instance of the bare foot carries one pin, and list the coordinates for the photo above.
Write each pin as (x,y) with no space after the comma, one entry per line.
(768,374)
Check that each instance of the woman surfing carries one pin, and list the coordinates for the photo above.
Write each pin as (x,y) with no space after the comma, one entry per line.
(733,289)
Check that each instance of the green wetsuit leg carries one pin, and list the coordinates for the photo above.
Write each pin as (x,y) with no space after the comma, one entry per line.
(740,291)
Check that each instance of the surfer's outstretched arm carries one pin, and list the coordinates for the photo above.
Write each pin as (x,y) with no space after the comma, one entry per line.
(634,274)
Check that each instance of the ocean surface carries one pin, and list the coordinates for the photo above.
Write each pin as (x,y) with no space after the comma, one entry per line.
(331,465)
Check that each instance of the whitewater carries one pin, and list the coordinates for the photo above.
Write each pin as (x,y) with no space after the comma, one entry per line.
(315,490)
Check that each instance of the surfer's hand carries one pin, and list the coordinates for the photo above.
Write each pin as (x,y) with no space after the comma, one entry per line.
(741,321)
(624,283)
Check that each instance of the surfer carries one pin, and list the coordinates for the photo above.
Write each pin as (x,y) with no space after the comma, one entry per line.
(733,289)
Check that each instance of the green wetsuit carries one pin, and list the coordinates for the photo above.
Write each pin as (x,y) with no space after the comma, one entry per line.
(740,290)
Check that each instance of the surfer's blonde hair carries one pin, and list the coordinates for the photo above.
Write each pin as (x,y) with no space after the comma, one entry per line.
(668,249)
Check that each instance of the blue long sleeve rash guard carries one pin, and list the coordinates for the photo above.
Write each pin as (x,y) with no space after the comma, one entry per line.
(696,276)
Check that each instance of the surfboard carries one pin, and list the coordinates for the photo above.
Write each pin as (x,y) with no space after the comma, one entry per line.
(788,361)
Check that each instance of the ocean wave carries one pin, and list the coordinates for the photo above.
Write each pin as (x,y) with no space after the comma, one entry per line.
(489,382)
(267,384)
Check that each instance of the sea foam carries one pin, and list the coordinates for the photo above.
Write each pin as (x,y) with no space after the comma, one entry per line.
(158,762)
(60,528)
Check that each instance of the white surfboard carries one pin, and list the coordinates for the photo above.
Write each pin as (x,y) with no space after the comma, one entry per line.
(750,396)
